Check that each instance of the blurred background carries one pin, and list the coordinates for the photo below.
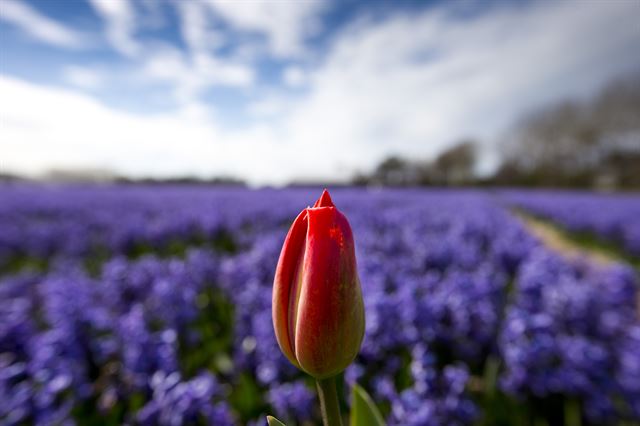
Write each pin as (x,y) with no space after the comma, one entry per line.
(153,154)
(283,92)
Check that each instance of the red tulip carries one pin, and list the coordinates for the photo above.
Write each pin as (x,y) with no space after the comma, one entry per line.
(318,312)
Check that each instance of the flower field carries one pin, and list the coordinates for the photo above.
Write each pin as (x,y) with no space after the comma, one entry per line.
(152,306)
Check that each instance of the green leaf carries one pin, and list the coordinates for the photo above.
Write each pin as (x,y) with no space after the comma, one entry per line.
(246,398)
(363,410)
(274,422)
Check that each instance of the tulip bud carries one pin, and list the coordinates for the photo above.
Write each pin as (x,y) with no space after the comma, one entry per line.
(318,312)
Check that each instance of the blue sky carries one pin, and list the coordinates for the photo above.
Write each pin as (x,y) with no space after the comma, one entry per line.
(280,90)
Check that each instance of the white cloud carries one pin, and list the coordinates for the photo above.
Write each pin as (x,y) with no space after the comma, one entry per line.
(43,128)
(83,77)
(270,106)
(286,24)
(415,83)
(196,26)
(119,17)
(39,26)
(191,74)
(408,84)
(294,76)
(196,69)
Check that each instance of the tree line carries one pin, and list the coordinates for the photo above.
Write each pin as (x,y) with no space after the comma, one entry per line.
(576,144)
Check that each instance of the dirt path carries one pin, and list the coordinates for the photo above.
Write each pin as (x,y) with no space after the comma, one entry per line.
(556,239)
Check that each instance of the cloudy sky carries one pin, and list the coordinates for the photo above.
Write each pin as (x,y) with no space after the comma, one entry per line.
(280,90)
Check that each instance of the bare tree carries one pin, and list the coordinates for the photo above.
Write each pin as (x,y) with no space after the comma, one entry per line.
(579,144)
(455,166)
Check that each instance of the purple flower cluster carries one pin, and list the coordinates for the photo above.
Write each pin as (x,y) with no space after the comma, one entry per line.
(48,222)
(153,306)
(572,330)
(292,401)
(176,402)
(70,338)
(436,397)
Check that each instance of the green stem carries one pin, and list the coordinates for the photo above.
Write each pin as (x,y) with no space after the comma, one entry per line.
(329,402)
(572,415)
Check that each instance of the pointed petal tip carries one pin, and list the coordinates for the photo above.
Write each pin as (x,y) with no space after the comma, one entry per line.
(324,200)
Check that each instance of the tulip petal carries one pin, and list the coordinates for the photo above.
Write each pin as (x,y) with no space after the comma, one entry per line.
(324,200)
(284,287)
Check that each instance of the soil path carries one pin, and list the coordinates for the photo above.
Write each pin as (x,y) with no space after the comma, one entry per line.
(556,239)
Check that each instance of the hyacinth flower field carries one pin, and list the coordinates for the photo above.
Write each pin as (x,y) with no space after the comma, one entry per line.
(152,306)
